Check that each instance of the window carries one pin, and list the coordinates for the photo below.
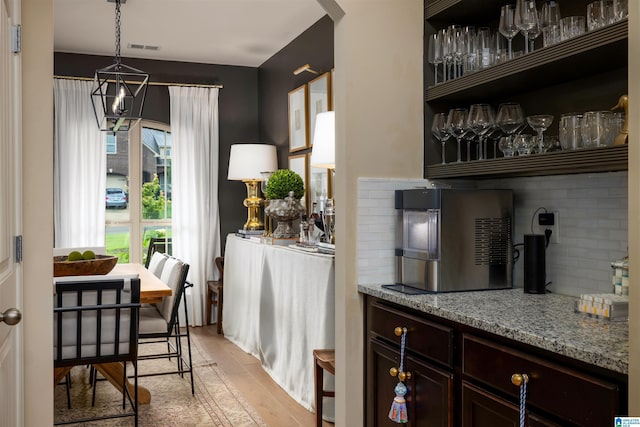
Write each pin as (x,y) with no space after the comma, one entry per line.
(139,182)
(112,145)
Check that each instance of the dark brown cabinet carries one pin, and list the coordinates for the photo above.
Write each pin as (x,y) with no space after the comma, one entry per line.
(461,376)
(429,390)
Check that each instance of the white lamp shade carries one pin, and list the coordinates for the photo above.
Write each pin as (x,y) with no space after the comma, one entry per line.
(323,154)
(246,161)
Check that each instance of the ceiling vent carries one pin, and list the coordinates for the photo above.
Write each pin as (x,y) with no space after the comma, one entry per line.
(142,46)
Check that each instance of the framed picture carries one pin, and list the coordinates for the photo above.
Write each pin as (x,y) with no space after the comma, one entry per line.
(332,98)
(318,188)
(298,164)
(318,100)
(298,134)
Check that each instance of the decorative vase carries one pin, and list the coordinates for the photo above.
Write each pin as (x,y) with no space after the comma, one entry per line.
(285,211)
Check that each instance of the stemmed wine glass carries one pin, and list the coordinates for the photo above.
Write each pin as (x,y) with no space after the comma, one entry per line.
(447,55)
(440,132)
(508,27)
(510,118)
(435,54)
(527,21)
(540,123)
(455,46)
(457,126)
(481,120)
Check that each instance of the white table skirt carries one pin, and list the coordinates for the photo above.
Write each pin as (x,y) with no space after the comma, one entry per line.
(279,305)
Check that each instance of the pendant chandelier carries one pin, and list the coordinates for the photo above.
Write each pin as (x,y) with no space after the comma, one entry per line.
(118,91)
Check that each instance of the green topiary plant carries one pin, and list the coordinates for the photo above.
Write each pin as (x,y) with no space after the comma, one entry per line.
(281,182)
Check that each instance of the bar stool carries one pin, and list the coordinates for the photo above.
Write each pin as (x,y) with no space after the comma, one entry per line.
(325,360)
(215,289)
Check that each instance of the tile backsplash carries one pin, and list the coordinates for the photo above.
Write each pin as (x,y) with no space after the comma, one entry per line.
(592,211)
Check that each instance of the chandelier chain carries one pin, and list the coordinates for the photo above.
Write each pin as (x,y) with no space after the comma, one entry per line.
(118,32)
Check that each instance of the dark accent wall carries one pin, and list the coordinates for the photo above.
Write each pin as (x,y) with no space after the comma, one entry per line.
(252,105)
(276,80)
(237,105)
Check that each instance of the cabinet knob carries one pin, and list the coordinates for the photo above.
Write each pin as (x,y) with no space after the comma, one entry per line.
(399,330)
(400,374)
(519,379)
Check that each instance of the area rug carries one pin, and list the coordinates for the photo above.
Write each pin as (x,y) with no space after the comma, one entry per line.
(216,401)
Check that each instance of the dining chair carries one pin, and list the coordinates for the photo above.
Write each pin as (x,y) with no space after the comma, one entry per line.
(156,264)
(161,322)
(158,244)
(96,322)
(215,295)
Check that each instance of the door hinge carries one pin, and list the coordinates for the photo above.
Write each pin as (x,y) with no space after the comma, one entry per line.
(18,248)
(16,39)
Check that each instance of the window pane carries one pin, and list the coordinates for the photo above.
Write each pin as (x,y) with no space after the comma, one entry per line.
(117,240)
(156,174)
(150,231)
(117,201)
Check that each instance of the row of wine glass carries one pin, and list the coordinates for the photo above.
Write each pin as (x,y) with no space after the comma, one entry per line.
(480,121)
(463,50)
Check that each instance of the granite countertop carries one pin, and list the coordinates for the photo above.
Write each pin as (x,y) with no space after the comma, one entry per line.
(546,321)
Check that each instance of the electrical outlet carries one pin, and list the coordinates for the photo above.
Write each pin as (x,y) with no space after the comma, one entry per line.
(555,228)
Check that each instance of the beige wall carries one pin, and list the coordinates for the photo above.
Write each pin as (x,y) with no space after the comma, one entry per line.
(634,207)
(379,133)
(37,170)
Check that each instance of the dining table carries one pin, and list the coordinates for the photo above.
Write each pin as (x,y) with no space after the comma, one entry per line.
(152,290)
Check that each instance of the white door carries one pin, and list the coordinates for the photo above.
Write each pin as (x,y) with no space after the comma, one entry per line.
(11,378)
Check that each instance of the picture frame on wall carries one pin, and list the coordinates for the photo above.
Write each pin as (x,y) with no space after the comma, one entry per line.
(298,133)
(318,188)
(318,100)
(298,163)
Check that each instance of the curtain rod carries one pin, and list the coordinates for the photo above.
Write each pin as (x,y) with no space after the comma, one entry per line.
(150,83)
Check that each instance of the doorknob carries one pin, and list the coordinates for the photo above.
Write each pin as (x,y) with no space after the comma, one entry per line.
(11,317)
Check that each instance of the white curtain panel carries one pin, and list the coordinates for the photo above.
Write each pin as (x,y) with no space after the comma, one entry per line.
(195,222)
(79,167)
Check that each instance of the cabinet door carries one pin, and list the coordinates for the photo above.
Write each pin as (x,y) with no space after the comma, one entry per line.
(430,390)
(482,409)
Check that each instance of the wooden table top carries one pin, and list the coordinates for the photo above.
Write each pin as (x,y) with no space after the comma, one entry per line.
(152,289)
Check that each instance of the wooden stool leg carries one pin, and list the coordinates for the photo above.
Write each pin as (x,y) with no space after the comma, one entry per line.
(209,307)
(219,311)
(318,380)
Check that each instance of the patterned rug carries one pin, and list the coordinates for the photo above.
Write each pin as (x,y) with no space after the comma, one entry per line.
(216,401)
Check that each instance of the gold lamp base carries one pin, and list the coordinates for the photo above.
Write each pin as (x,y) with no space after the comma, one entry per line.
(253,203)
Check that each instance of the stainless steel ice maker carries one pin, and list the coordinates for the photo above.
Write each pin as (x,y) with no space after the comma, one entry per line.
(454,240)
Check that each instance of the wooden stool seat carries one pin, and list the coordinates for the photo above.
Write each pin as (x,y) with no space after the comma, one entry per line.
(215,289)
(325,360)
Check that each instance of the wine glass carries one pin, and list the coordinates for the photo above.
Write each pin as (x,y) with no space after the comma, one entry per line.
(481,120)
(508,27)
(526,20)
(469,49)
(457,126)
(540,123)
(455,45)
(435,54)
(447,56)
(510,118)
(439,131)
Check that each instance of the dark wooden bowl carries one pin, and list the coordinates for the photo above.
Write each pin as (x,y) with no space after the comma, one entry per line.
(101,265)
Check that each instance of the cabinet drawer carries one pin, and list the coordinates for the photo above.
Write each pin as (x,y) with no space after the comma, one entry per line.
(428,339)
(569,394)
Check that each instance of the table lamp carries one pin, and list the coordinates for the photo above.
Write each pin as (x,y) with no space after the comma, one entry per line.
(323,155)
(246,164)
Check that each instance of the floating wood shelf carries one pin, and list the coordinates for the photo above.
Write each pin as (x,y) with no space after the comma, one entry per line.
(598,50)
(606,159)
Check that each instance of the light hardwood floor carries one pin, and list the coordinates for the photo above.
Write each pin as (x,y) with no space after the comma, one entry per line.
(244,371)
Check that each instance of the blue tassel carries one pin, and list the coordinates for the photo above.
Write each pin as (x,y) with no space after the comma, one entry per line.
(398,412)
